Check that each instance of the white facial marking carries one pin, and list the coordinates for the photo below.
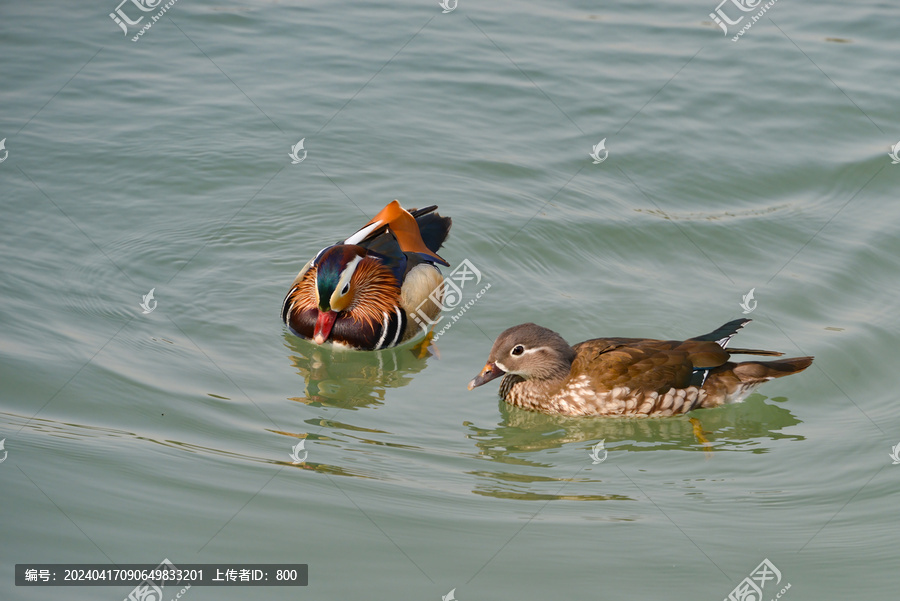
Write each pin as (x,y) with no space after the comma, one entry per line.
(345,278)
(536,349)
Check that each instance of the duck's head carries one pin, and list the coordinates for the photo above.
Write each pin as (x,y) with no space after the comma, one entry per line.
(530,352)
(350,281)
(335,289)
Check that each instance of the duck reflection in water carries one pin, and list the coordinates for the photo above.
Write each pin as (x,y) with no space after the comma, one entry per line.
(350,380)
(730,427)
(522,469)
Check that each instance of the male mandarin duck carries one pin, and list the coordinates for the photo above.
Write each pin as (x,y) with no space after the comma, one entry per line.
(362,292)
(628,377)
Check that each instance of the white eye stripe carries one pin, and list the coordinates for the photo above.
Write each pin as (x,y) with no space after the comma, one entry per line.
(350,269)
(528,351)
(536,349)
(346,275)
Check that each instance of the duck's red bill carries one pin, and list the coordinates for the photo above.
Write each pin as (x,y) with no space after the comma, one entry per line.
(324,323)
(487,374)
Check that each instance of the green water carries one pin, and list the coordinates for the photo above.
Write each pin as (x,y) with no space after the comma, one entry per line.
(163,164)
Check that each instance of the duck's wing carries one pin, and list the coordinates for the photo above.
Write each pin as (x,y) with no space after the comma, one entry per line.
(660,365)
(396,221)
(644,364)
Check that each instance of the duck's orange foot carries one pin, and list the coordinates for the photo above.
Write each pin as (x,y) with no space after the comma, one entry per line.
(700,435)
(426,347)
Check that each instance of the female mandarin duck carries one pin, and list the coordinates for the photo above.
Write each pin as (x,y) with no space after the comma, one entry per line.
(630,377)
(362,292)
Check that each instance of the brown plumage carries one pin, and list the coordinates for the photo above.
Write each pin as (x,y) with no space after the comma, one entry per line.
(631,377)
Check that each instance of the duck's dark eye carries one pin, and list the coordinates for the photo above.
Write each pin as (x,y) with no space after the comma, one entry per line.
(517,350)
(345,289)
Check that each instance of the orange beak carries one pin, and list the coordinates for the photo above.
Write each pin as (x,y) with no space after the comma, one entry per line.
(487,374)
(324,323)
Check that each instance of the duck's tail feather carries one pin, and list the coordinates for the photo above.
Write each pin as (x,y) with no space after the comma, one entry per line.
(732,382)
(766,370)
(753,351)
(434,229)
(424,210)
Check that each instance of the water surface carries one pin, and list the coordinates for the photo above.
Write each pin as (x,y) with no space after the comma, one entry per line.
(163,164)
